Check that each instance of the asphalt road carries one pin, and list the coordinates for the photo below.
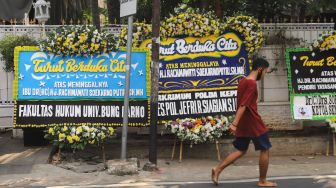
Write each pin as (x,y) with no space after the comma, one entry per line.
(282,183)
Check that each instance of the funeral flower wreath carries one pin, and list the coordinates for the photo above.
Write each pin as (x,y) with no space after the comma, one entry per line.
(189,22)
(249,28)
(326,41)
(77,137)
(198,130)
(141,32)
(78,40)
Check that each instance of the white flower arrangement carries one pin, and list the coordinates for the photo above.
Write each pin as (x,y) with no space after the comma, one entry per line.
(141,32)
(77,137)
(190,22)
(332,124)
(79,39)
(326,41)
(198,130)
(249,28)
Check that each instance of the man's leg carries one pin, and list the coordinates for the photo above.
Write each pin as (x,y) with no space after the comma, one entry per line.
(226,162)
(263,144)
(263,167)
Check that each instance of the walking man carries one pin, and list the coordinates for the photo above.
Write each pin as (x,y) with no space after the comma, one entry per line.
(248,125)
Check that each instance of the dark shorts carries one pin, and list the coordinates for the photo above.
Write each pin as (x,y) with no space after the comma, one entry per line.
(261,142)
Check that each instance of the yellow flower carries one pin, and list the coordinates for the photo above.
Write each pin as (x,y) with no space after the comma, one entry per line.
(96,46)
(102,136)
(82,38)
(61,137)
(111,130)
(51,131)
(91,141)
(79,130)
(91,129)
(65,128)
(69,138)
(75,138)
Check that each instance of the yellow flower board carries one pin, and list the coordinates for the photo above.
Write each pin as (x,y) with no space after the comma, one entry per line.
(51,90)
(198,77)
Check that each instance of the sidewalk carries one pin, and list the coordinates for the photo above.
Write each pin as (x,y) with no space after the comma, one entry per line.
(26,166)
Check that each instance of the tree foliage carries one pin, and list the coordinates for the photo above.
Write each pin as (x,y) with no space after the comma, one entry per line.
(7,45)
(292,9)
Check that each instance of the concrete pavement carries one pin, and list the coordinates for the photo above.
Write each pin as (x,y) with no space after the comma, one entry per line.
(26,166)
(283,182)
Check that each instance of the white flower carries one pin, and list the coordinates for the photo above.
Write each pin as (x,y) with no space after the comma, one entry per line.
(73,130)
(86,128)
(93,135)
(183,6)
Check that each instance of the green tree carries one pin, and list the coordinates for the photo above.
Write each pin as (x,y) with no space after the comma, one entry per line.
(7,45)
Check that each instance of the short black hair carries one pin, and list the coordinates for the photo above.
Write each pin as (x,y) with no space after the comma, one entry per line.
(259,63)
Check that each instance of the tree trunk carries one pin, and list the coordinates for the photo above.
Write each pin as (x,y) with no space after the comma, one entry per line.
(53,12)
(154,81)
(95,13)
(204,4)
(218,9)
(113,7)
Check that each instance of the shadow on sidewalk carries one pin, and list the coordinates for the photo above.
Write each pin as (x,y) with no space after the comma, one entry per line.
(17,159)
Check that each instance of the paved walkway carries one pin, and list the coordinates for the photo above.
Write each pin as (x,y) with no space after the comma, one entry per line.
(26,166)
(283,182)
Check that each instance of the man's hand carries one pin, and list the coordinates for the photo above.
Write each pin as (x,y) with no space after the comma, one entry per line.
(233,129)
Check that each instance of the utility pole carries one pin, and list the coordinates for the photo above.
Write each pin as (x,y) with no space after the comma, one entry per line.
(155,81)
(127,8)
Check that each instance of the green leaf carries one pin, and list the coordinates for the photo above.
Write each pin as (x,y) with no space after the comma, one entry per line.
(61,145)
(7,45)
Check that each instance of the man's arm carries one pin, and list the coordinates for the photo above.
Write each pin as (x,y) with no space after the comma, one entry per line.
(239,114)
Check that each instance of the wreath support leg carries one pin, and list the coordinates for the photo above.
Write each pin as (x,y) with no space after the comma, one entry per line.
(218,153)
(104,155)
(59,154)
(328,138)
(173,152)
(181,150)
(334,144)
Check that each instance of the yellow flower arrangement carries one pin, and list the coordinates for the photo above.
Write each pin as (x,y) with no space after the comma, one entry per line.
(198,130)
(332,124)
(326,41)
(77,137)
(190,22)
(141,32)
(81,39)
(250,30)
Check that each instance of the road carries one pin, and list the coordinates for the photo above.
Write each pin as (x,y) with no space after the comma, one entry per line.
(283,182)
